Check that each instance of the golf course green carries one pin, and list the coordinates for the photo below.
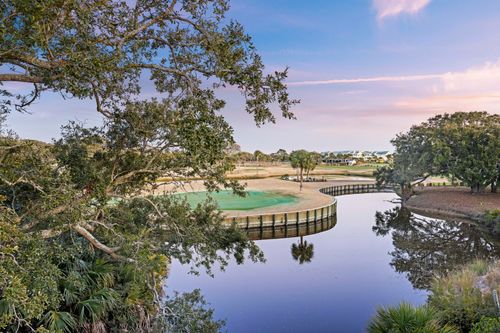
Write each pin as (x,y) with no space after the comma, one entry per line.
(227,200)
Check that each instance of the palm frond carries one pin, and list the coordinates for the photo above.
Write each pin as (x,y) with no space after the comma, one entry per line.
(57,321)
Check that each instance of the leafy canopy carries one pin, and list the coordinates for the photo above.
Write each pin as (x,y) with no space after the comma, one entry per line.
(83,244)
(104,50)
(303,161)
(462,145)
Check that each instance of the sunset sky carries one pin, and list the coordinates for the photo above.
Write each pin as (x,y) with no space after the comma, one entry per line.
(363,69)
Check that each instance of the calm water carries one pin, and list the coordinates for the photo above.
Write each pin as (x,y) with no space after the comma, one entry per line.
(372,256)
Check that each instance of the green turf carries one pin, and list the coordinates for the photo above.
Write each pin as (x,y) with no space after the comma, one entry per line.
(363,167)
(228,201)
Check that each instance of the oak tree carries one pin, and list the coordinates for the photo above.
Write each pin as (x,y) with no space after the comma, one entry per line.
(84,246)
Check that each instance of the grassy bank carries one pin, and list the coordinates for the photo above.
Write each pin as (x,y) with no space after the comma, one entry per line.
(461,302)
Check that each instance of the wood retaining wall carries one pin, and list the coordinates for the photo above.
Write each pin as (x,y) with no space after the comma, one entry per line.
(285,219)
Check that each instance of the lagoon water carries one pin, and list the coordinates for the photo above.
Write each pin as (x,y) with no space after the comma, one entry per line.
(366,260)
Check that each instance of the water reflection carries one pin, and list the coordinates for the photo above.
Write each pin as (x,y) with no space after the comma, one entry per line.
(303,251)
(424,247)
(354,266)
(292,230)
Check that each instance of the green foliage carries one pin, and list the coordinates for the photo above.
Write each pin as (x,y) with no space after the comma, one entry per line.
(99,49)
(492,221)
(426,247)
(82,247)
(59,321)
(463,145)
(406,318)
(487,325)
(414,160)
(280,156)
(187,313)
(243,156)
(468,146)
(303,161)
(259,156)
(462,299)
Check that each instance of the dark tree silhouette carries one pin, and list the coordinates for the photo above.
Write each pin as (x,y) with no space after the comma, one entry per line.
(426,247)
(303,251)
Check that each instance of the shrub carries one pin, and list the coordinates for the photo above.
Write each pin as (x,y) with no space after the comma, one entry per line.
(492,221)
(487,325)
(462,298)
(406,318)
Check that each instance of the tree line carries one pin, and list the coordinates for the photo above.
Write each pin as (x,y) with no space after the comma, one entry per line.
(281,155)
(463,146)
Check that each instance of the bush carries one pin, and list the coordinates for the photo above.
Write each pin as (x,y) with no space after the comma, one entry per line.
(406,318)
(462,298)
(487,325)
(492,221)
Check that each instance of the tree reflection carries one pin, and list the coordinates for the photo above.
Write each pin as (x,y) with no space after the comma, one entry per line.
(425,247)
(302,252)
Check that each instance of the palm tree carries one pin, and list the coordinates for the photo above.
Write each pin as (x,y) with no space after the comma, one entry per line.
(299,159)
(302,252)
(88,298)
(311,162)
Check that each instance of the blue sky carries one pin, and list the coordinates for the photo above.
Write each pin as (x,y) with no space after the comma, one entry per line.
(363,69)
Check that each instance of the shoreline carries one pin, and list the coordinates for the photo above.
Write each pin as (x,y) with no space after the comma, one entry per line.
(454,202)
(309,197)
(444,214)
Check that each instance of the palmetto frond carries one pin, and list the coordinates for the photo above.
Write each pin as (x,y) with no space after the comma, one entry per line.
(57,321)
(406,318)
(96,305)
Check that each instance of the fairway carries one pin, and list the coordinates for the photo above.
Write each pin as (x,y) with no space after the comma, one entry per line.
(229,201)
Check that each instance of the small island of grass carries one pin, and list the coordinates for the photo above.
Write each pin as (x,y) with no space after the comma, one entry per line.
(227,200)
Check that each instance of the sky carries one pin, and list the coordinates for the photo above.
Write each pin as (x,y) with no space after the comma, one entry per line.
(364,71)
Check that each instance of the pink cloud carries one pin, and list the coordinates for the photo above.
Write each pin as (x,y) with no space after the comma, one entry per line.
(387,8)
(368,79)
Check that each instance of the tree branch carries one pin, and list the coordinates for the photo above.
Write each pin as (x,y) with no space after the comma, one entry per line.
(25,103)
(27,59)
(420,180)
(147,24)
(98,245)
(20,78)
(162,69)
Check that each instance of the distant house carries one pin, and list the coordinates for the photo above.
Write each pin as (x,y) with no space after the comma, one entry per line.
(351,157)
(338,161)
(384,155)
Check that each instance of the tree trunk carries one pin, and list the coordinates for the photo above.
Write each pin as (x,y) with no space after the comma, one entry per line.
(494,184)
(406,193)
(301,178)
(476,188)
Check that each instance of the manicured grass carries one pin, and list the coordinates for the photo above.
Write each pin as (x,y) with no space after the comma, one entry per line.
(367,167)
(229,201)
